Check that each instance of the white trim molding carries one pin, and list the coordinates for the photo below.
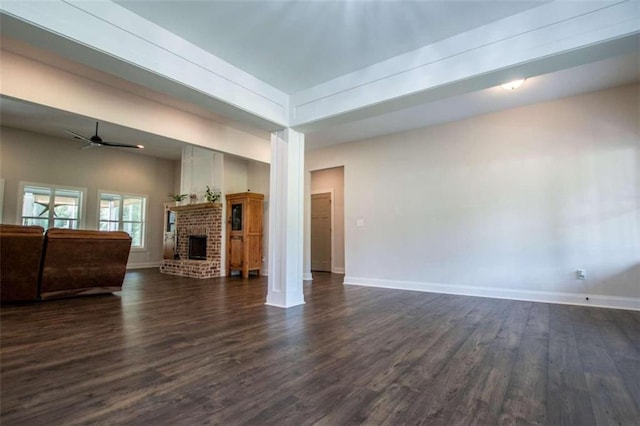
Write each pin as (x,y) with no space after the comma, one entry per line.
(594,300)
(337,270)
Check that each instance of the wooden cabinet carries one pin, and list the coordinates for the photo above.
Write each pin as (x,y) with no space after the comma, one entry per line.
(244,232)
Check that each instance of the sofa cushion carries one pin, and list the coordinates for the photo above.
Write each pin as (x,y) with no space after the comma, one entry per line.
(79,262)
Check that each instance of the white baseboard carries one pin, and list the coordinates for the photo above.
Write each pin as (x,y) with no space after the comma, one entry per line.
(307,276)
(337,270)
(596,300)
(142,265)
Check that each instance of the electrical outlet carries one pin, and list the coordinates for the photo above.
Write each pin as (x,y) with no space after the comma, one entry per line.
(581,274)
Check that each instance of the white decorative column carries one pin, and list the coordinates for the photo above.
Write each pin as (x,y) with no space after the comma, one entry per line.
(306,266)
(286,218)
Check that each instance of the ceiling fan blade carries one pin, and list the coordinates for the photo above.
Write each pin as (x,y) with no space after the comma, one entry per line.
(120,145)
(77,136)
(97,141)
(88,146)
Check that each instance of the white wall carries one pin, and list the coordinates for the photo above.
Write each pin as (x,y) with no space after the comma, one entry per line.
(31,157)
(198,171)
(333,179)
(235,174)
(506,205)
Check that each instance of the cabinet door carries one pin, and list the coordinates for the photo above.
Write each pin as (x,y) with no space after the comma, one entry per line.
(254,216)
(236,248)
(237,216)
(254,243)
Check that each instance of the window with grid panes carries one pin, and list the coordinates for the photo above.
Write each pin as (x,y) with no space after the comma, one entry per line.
(122,212)
(51,207)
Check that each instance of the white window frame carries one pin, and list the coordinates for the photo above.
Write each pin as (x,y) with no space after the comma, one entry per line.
(145,214)
(82,208)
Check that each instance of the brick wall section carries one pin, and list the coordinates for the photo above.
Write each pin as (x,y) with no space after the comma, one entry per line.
(191,268)
(199,219)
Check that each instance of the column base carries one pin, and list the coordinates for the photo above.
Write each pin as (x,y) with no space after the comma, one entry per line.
(284,302)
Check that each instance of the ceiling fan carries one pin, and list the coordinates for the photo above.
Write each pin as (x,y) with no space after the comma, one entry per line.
(96,140)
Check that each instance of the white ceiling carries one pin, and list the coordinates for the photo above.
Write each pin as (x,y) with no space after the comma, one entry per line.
(293,45)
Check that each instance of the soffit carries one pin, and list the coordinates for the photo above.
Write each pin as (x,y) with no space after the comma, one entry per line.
(53,122)
(599,75)
(293,45)
(383,117)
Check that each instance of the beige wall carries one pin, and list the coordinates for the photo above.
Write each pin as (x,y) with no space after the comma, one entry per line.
(258,181)
(333,180)
(31,157)
(508,204)
(109,99)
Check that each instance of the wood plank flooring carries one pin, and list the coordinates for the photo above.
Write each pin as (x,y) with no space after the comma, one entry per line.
(180,351)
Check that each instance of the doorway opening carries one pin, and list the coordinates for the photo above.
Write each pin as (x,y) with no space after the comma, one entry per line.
(327,220)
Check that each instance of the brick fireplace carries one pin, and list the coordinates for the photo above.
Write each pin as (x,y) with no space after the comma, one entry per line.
(197,220)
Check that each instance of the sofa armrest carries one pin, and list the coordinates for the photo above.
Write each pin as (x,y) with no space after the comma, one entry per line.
(20,257)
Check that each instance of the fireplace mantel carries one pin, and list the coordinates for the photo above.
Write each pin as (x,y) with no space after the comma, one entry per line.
(196,206)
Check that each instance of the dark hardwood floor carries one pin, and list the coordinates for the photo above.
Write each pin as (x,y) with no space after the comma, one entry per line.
(172,351)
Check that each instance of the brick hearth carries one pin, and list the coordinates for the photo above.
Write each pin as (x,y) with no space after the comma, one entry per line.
(197,219)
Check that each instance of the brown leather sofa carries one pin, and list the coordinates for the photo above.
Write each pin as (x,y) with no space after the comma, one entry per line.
(60,263)
(79,262)
(20,256)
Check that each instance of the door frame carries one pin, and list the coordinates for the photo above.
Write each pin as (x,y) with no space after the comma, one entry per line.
(2,198)
(324,191)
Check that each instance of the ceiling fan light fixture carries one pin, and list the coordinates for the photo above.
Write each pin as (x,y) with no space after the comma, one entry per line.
(140,146)
(513,85)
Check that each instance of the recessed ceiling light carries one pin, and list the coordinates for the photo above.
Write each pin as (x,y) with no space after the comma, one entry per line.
(512,85)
